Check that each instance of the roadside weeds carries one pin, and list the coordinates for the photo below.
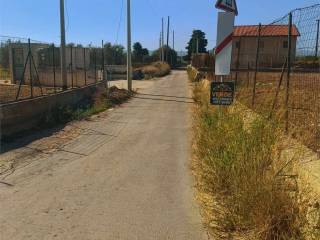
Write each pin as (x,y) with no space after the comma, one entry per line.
(247,185)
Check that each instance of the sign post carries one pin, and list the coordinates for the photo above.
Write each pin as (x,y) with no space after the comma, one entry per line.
(222,93)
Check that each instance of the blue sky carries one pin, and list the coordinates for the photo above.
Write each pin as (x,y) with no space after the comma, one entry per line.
(91,21)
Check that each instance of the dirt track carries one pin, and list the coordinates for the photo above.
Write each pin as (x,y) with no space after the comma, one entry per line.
(123,175)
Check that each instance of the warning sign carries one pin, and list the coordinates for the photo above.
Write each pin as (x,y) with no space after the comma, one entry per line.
(222,93)
(228,5)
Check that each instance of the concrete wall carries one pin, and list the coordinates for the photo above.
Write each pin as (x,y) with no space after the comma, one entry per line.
(27,114)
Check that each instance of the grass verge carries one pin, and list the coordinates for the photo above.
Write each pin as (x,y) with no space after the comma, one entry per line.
(246,188)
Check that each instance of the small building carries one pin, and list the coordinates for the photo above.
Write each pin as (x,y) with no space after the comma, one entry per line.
(273,45)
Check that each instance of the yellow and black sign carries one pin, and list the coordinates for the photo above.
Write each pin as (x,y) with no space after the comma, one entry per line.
(222,93)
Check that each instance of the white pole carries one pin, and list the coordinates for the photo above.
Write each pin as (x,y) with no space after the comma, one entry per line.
(63,48)
(129,67)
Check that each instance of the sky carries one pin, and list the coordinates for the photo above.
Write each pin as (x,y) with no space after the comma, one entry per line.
(90,22)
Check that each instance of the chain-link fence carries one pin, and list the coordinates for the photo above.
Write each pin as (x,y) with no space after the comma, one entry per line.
(30,69)
(277,71)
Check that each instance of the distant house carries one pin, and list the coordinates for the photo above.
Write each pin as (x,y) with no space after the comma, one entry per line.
(273,45)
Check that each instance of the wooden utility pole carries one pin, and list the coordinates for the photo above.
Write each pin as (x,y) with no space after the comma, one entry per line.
(129,67)
(63,48)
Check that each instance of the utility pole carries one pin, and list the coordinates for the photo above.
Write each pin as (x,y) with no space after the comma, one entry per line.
(162,42)
(168,35)
(317,41)
(129,68)
(63,48)
(173,40)
(160,56)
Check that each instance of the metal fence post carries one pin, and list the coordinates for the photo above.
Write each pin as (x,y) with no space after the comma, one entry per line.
(238,61)
(54,68)
(84,66)
(289,70)
(256,67)
(248,75)
(71,65)
(317,40)
(30,68)
(95,64)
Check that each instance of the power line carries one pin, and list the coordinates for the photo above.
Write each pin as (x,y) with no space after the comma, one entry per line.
(120,21)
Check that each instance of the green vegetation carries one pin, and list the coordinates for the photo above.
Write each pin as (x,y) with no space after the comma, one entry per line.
(170,55)
(247,191)
(198,38)
(139,53)
(101,101)
(4,74)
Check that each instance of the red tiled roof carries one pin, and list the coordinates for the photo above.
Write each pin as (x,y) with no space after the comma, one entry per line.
(266,31)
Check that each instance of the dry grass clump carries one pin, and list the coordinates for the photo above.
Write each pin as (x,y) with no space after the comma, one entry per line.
(246,189)
(193,74)
(157,69)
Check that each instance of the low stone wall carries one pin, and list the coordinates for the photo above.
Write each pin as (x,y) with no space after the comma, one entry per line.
(27,114)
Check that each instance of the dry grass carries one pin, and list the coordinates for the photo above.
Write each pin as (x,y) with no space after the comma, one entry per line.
(157,69)
(304,101)
(194,75)
(4,74)
(8,93)
(247,190)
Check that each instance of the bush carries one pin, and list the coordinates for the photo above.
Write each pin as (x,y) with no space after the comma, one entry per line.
(254,194)
(193,74)
(100,101)
(157,69)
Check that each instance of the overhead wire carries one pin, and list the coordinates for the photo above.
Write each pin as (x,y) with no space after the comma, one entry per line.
(120,21)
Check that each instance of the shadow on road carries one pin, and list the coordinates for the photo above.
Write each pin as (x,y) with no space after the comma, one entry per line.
(156,95)
(165,98)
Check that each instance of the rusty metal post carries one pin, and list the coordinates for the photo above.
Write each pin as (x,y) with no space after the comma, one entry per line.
(256,67)
(238,62)
(288,70)
(248,75)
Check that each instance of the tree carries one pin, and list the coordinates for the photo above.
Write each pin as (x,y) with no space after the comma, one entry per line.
(139,53)
(114,54)
(172,55)
(198,37)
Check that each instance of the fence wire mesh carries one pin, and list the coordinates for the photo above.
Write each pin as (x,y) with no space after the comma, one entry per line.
(30,69)
(277,71)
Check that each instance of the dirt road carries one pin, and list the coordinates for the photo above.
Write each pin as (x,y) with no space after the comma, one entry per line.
(125,176)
